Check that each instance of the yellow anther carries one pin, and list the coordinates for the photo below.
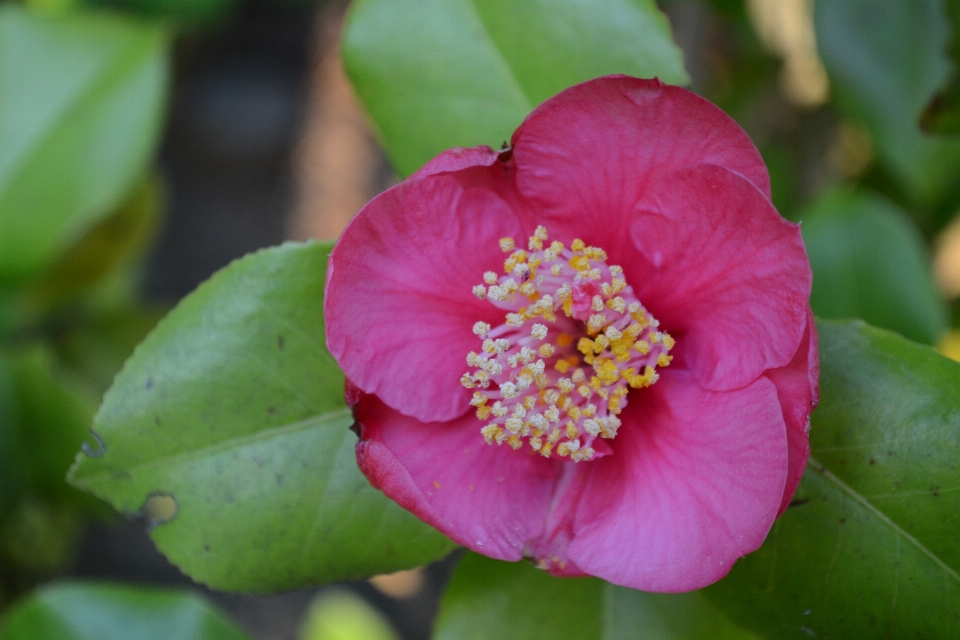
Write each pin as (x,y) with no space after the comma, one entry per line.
(540,232)
(600,343)
(642,346)
(597,303)
(590,410)
(480,291)
(507,244)
(564,340)
(514,441)
(556,269)
(546,450)
(572,431)
(578,245)
(585,391)
(596,383)
(484,412)
(585,345)
(538,331)
(617,304)
(580,263)
(614,404)
(478,399)
(490,277)
(491,433)
(663,360)
(562,366)
(535,244)
(536,443)
(595,323)
(618,285)
(668,341)
(530,402)
(481,328)
(556,246)
(574,413)
(546,350)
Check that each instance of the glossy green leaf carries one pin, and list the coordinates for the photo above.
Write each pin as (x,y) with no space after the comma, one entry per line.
(869,547)
(79,611)
(436,74)
(886,58)
(515,601)
(230,419)
(80,111)
(870,262)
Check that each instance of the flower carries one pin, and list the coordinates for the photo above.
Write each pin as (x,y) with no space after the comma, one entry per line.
(593,348)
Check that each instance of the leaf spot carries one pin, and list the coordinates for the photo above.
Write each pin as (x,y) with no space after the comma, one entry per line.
(158,508)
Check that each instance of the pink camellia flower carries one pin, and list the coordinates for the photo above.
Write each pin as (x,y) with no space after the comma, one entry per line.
(593,349)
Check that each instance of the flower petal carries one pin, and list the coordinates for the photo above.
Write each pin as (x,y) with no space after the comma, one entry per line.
(458,158)
(723,272)
(399,308)
(799,392)
(489,498)
(694,484)
(585,157)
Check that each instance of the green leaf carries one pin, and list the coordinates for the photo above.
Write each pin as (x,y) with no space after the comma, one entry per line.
(113,244)
(885,59)
(230,419)
(78,611)
(515,601)
(942,115)
(341,615)
(436,74)
(868,549)
(870,262)
(79,119)
(187,12)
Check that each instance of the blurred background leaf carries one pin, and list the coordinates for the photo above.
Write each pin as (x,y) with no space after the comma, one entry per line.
(942,115)
(447,73)
(867,548)
(886,58)
(870,262)
(78,611)
(340,615)
(83,99)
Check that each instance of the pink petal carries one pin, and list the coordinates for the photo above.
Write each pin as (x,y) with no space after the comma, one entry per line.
(489,498)
(585,157)
(723,272)
(799,393)
(399,308)
(456,159)
(694,484)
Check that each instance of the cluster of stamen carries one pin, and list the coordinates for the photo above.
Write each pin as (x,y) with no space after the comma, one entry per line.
(575,340)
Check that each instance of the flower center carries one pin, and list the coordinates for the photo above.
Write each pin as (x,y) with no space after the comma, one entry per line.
(575,340)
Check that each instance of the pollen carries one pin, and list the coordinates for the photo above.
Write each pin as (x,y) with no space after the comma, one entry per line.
(574,346)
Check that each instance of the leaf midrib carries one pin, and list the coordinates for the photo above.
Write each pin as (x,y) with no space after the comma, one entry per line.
(224,445)
(879,515)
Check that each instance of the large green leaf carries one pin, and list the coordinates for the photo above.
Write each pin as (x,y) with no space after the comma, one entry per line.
(869,547)
(80,105)
(436,74)
(515,601)
(230,418)
(78,611)
(869,262)
(886,58)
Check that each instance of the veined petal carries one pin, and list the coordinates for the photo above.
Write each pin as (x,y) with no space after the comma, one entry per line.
(399,308)
(694,483)
(585,157)
(723,272)
(490,499)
